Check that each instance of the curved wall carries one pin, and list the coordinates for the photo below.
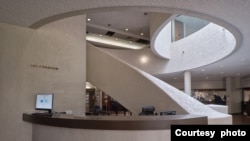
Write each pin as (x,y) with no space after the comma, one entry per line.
(50,133)
(14,46)
(208,45)
(33,61)
(160,30)
(204,47)
(125,83)
(134,88)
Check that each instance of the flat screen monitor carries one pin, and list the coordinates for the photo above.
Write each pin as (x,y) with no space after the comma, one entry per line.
(148,110)
(44,101)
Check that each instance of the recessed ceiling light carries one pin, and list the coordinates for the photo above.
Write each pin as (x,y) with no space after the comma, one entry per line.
(88,19)
(142,34)
(100,35)
(144,59)
(126,29)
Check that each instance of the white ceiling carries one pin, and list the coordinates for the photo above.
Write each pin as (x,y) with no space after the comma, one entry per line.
(113,24)
(234,13)
(140,23)
(135,22)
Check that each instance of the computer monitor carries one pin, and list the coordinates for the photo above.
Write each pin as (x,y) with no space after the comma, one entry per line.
(44,101)
(148,110)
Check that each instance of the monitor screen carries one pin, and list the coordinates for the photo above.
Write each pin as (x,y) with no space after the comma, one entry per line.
(44,101)
(148,110)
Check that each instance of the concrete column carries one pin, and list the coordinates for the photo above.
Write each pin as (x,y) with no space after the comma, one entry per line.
(234,95)
(187,82)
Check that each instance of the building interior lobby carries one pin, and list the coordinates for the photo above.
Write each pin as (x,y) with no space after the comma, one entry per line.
(122,68)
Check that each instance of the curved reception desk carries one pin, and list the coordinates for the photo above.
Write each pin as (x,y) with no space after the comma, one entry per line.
(106,128)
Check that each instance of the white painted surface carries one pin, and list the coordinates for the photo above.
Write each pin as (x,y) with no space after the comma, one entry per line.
(219,108)
(160,26)
(187,82)
(134,88)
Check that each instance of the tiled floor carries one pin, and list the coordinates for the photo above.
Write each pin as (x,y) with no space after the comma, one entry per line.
(240,119)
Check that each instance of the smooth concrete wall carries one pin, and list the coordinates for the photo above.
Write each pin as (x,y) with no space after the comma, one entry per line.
(70,85)
(15,94)
(143,59)
(208,45)
(134,88)
(38,61)
(160,43)
(125,83)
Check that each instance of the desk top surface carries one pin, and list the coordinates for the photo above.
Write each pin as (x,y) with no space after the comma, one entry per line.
(115,122)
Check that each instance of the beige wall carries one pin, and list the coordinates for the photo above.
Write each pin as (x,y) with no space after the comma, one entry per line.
(39,61)
(134,88)
(126,84)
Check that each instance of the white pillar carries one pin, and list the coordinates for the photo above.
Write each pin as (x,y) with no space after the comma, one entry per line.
(234,97)
(187,82)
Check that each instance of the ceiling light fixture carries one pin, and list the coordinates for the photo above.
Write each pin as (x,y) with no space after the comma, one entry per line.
(88,19)
(126,29)
(144,59)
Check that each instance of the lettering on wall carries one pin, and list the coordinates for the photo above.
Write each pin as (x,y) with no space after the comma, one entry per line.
(44,67)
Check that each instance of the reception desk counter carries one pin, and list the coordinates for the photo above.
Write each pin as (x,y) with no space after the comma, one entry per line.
(107,128)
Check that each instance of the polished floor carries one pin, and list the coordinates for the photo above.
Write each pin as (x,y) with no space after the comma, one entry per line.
(240,119)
